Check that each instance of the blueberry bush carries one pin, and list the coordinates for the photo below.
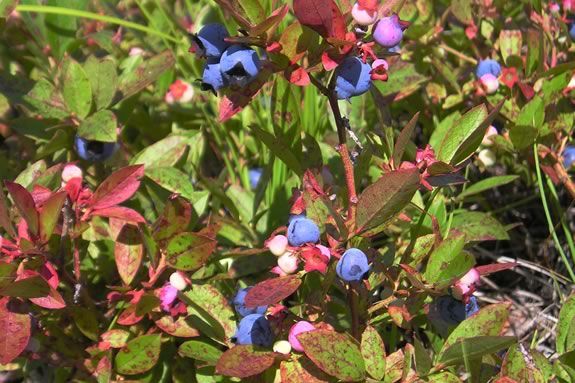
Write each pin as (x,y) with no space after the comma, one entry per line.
(303,191)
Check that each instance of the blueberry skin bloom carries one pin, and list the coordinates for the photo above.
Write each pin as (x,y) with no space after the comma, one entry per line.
(240,65)
(353,78)
(301,231)
(352,266)
(240,305)
(388,32)
(568,156)
(254,329)
(209,41)
(488,66)
(212,78)
(94,150)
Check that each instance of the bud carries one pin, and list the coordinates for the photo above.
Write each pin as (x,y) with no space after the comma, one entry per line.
(490,83)
(178,281)
(277,245)
(487,157)
(491,132)
(282,347)
(363,16)
(288,262)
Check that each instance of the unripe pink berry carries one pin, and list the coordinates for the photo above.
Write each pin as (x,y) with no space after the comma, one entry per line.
(295,330)
(471,277)
(363,16)
(379,62)
(490,83)
(178,281)
(288,262)
(388,31)
(71,171)
(278,245)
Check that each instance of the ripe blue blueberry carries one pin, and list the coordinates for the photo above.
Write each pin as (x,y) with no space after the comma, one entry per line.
(209,41)
(301,231)
(254,329)
(240,306)
(447,312)
(471,307)
(212,78)
(240,65)
(353,265)
(388,31)
(353,78)
(488,66)
(255,174)
(295,216)
(572,31)
(569,156)
(94,150)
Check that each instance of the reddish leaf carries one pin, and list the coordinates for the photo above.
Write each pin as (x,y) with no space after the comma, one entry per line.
(189,251)
(128,251)
(323,16)
(50,213)
(5,220)
(328,62)
(301,370)
(297,75)
(32,287)
(128,317)
(233,103)
(48,272)
(273,20)
(15,332)
(243,361)
(40,194)
(490,269)
(25,204)
(52,301)
(120,212)
(175,218)
(234,8)
(118,187)
(116,338)
(272,291)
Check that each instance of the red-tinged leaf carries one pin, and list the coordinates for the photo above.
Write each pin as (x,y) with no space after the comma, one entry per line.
(381,201)
(25,204)
(323,16)
(48,272)
(234,8)
(50,213)
(189,251)
(15,332)
(40,194)
(128,317)
(178,328)
(373,351)
(272,291)
(118,187)
(32,287)
(336,354)
(302,370)
(295,41)
(52,301)
(120,212)
(128,251)
(5,220)
(103,370)
(297,76)
(327,62)
(272,21)
(139,355)
(116,338)
(244,361)
(232,104)
(494,268)
(403,139)
(175,218)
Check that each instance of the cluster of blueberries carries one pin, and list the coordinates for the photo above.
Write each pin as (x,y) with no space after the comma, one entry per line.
(254,328)
(227,64)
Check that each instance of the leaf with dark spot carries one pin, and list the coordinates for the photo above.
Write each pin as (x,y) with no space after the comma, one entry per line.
(139,355)
(272,291)
(244,361)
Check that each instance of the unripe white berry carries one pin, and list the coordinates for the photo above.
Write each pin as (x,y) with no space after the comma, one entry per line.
(282,347)
(490,83)
(288,262)
(278,245)
(178,281)
(487,157)
(71,171)
(363,16)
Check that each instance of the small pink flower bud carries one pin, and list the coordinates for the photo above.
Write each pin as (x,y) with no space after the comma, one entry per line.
(295,330)
(490,83)
(288,262)
(491,132)
(178,281)
(363,16)
(278,245)
(136,51)
(471,277)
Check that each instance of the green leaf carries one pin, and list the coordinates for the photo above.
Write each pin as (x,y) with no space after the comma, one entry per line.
(175,218)
(471,348)
(7,273)
(403,80)
(565,340)
(76,88)
(517,367)
(403,139)
(61,30)
(145,74)
(172,179)
(373,352)
(180,327)
(535,51)
(189,251)
(423,362)
(244,361)
(253,10)
(279,148)
(50,213)
(128,252)
(6,7)
(46,100)
(86,322)
(478,226)
(462,10)
(336,354)
(510,43)
(448,261)
(443,377)
(486,184)
(31,287)
(489,321)
(103,79)
(209,303)
(101,126)
(139,355)
(382,200)
(200,350)
(164,153)
(117,338)
(465,135)
(528,124)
